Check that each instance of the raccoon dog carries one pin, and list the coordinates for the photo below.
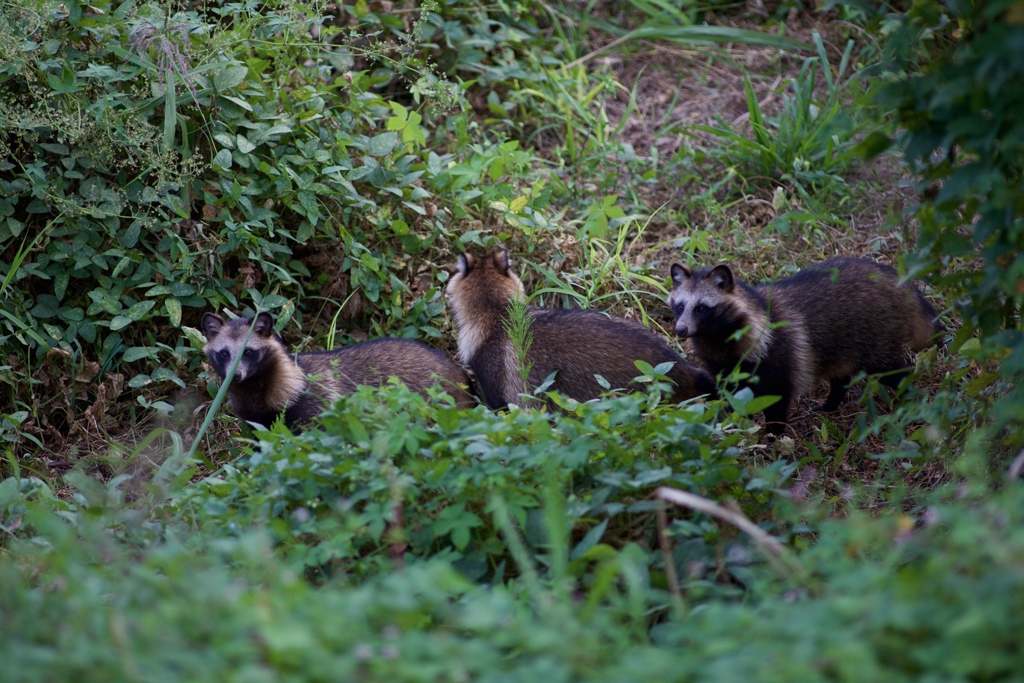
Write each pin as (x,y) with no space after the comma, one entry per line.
(269,381)
(574,344)
(838,317)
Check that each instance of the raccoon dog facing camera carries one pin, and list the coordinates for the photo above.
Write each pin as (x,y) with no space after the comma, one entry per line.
(574,344)
(829,321)
(270,381)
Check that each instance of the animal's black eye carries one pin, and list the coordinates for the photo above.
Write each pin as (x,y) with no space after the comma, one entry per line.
(249,353)
(680,308)
(224,355)
(701,309)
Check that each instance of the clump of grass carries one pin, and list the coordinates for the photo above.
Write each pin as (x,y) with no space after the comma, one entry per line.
(810,143)
(517,327)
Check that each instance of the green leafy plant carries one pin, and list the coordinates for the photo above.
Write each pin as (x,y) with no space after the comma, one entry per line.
(811,142)
(389,478)
(606,274)
(218,602)
(517,326)
(970,214)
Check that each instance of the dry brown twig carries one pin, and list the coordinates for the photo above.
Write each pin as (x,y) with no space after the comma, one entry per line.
(777,554)
(1016,467)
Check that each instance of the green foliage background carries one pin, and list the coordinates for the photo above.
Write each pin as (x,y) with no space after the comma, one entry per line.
(328,163)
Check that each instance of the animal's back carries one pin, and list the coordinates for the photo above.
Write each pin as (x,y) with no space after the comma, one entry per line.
(417,365)
(577,344)
(574,344)
(855,315)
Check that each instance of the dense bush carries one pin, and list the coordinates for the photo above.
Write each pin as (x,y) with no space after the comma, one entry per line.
(962,135)
(390,479)
(155,165)
(932,596)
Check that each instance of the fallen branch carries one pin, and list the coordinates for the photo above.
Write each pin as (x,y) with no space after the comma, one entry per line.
(777,554)
(1016,466)
(710,507)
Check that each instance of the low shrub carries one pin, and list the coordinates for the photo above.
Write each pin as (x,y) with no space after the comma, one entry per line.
(394,478)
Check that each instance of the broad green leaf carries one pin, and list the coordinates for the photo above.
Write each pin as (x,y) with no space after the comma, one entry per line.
(277,129)
(496,169)
(761,402)
(166,375)
(238,101)
(106,301)
(244,146)
(230,77)
(129,237)
(357,430)
(60,284)
(173,307)
(381,145)
(46,307)
(139,381)
(401,117)
(272,301)
(139,309)
(71,315)
(663,368)
(194,336)
(592,538)
(135,353)
(370,262)
(223,159)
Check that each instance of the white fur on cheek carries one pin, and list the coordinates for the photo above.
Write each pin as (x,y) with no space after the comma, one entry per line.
(689,300)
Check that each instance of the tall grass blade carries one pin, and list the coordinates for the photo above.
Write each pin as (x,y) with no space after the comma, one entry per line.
(221,393)
(170,110)
(823,60)
(705,35)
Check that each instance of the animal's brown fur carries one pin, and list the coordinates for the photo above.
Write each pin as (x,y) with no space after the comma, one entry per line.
(269,381)
(829,321)
(576,345)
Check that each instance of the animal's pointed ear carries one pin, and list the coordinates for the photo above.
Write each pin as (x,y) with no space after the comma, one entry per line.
(503,261)
(465,264)
(723,279)
(680,273)
(264,326)
(211,325)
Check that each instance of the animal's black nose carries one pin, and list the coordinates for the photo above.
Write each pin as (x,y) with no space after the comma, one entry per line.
(683,331)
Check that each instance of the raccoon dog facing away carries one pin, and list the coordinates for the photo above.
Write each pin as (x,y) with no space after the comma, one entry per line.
(574,344)
(838,317)
(269,381)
